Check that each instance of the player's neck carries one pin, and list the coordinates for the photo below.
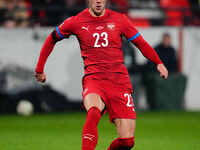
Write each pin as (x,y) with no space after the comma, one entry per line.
(94,15)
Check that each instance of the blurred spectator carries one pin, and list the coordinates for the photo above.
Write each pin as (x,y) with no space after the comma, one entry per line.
(2,11)
(167,54)
(37,12)
(74,7)
(195,5)
(195,8)
(177,11)
(53,12)
(21,13)
(120,5)
(14,13)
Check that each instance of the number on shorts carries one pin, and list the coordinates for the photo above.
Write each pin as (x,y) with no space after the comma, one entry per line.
(130,101)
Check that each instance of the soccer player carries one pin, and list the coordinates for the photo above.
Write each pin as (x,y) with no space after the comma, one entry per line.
(106,83)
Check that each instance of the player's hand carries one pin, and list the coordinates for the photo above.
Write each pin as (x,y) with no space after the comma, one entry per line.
(163,70)
(41,77)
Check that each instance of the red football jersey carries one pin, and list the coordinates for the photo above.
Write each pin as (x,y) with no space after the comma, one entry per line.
(100,39)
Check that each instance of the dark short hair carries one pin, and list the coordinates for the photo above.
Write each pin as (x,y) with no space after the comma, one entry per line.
(166,34)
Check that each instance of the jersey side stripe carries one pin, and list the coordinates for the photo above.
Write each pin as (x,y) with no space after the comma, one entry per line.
(134,37)
(61,36)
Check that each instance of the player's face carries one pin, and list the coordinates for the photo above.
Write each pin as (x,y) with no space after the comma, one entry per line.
(97,6)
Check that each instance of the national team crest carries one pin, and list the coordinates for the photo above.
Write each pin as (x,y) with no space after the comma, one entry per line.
(111,26)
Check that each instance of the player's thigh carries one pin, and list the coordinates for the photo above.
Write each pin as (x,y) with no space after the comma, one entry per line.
(93,100)
(125,127)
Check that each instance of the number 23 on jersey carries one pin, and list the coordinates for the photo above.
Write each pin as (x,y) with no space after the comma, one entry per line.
(104,39)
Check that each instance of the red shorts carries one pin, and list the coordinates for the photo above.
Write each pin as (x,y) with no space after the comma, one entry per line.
(117,97)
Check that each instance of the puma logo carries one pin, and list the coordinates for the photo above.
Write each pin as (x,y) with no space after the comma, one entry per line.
(88,136)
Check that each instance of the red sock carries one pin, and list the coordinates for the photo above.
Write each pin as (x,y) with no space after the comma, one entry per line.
(90,133)
(122,144)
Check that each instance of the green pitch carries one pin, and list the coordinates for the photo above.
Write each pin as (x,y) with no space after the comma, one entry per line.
(154,131)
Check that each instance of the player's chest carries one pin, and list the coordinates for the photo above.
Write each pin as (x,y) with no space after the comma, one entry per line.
(98,34)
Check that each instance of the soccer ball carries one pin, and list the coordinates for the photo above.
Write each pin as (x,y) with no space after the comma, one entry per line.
(25,108)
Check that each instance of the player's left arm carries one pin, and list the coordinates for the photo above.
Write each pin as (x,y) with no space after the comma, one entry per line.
(151,54)
(132,34)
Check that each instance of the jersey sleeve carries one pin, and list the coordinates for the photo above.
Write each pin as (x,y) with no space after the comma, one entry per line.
(66,28)
(132,34)
(62,31)
(128,29)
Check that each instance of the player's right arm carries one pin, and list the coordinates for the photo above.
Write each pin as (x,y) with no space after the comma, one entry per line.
(44,53)
(59,33)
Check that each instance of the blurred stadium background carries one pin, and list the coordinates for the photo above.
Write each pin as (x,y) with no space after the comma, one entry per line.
(168,111)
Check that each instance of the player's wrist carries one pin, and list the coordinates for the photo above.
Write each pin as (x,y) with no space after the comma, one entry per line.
(159,63)
(39,72)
